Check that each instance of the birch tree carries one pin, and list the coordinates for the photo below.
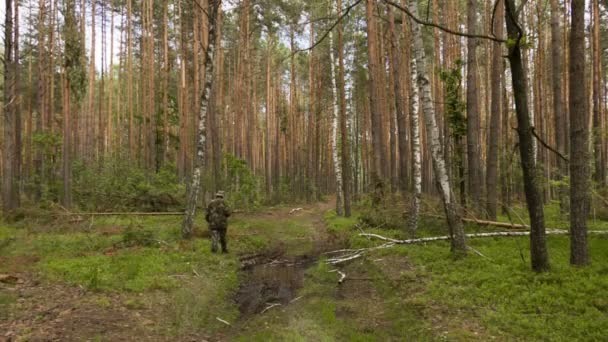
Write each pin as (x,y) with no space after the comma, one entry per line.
(195,184)
(416,168)
(451,207)
(334,131)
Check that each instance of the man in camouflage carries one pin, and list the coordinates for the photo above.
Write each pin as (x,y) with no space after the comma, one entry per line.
(217,217)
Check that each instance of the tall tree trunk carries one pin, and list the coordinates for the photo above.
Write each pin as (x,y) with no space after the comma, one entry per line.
(268,122)
(17,106)
(66,148)
(558,100)
(473,159)
(346,171)
(399,102)
(130,104)
(579,140)
(10,194)
(452,210)
(494,138)
(91,89)
(600,172)
(334,130)
(538,240)
(416,160)
(379,157)
(164,154)
(195,184)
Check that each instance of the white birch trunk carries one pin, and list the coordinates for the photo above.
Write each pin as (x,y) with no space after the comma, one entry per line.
(440,171)
(334,131)
(416,168)
(195,185)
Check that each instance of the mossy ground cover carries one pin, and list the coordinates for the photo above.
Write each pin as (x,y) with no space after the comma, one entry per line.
(497,295)
(414,292)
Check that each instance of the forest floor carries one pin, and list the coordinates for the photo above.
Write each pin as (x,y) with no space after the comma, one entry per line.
(133,278)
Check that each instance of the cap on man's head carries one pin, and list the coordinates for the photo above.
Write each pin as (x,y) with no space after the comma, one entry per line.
(219,194)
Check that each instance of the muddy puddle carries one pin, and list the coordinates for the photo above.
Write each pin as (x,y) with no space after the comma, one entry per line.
(272,282)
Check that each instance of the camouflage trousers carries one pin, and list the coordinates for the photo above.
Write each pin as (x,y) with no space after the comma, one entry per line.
(218,236)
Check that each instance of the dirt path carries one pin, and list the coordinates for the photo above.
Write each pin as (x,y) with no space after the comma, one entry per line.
(43,311)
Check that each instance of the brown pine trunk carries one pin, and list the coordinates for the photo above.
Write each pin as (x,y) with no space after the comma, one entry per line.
(557,80)
(396,68)
(379,157)
(17,172)
(579,140)
(130,106)
(600,173)
(538,243)
(494,138)
(473,159)
(10,190)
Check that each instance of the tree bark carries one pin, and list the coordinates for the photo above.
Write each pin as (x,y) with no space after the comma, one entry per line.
(473,159)
(494,138)
(346,171)
(452,210)
(416,162)
(538,243)
(600,173)
(379,160)
(9,185)
(579,140)
(195,184)
(396,68)
(558,100)
(334,129)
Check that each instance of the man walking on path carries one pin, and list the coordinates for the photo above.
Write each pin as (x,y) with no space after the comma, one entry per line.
(217,217)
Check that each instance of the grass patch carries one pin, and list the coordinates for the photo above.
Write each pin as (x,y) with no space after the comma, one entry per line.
(6,301)
(498,296)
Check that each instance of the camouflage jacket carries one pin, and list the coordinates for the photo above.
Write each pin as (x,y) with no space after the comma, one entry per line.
(217,214)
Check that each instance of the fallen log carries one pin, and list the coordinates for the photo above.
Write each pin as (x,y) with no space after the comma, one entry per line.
(390,242)
(127,213)
(131,213)
(475,235)
(508,225)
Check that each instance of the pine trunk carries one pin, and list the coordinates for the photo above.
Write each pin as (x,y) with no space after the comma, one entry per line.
(494,138)
(538,243)
(579,140)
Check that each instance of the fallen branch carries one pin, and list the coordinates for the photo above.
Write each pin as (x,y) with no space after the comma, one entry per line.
(295,299)
(223,321)
(357,253)
(342,275)
(486,223)
(295,210)
(477,235)
(270,306)
(128,213)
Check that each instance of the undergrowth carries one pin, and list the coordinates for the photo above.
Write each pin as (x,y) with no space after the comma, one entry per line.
(498,290)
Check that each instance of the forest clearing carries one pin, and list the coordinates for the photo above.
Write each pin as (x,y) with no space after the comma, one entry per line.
(291,170)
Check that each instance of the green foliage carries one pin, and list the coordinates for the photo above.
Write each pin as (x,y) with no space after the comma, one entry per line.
(242,185)
(74,56)
(455,107)
(118,185)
